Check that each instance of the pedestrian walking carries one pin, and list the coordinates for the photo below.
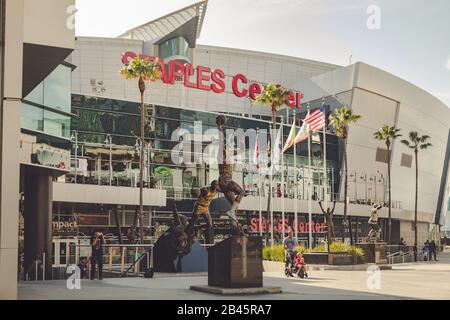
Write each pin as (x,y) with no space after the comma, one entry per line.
(432,250)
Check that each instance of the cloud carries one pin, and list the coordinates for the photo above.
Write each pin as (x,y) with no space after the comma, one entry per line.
(448,63)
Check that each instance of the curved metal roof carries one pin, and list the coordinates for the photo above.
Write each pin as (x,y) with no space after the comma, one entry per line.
(161,27)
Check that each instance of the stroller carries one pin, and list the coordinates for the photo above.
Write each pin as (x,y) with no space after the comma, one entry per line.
(296,266)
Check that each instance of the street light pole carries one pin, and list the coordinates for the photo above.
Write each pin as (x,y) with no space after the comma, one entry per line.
(109,141)
(354,175)
(364,177)
(374,179)
(384,186)
(74,137)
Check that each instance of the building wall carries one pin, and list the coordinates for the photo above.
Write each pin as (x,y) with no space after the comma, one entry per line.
(10,126)
(382,98)
(407,233)
(49,17)
(99,58)
(24,23)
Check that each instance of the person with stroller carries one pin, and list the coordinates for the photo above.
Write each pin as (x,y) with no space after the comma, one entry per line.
(289,244)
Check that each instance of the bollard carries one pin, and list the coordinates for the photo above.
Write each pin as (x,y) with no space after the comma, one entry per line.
(110,259)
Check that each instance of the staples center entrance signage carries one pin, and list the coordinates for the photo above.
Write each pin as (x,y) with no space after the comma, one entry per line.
(207,79)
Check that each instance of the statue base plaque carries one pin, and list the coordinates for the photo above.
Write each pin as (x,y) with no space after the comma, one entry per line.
(235,268)
(236,262)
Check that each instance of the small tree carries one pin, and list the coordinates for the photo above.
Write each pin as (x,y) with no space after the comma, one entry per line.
(341,121)
(416,143)
(388,134)
(142,69)
(274,96)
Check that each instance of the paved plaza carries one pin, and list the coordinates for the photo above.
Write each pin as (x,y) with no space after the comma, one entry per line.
(408,281)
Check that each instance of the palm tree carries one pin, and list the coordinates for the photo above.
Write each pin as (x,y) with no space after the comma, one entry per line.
(340,121)
(142,69)
(416,143)
(274,96)
(388,134)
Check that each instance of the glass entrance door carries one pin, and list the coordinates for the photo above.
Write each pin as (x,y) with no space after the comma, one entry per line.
(64,252)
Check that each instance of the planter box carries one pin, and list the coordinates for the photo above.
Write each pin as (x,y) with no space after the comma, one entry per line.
(374,252)
(316,258)
(334,258)
(341,259)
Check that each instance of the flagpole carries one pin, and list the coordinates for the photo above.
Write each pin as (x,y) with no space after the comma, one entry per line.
(271,200)
(295,182)
(309,191)
(259,184)
(282,181)
(325,158)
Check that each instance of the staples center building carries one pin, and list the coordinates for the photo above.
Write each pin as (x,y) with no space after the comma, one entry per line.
(202,81)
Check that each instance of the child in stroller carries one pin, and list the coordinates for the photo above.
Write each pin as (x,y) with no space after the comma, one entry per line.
(297,266)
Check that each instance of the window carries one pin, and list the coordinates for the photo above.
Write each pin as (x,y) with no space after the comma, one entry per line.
(54,91)
(57,89)
(37,95)
(56,124)
(382,155)
(32,118)
(174,47)
(406,160)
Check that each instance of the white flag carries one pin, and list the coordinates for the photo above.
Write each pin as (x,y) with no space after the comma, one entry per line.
(303,134)
(276,150)
(256,153)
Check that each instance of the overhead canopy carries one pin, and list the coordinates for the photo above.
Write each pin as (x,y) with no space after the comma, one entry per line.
(160,28)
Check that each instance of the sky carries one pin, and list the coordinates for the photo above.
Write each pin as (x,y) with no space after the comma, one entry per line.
(409,38)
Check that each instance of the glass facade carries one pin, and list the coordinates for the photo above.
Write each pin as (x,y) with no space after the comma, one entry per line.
(174,47)
(46,108)
(98,117)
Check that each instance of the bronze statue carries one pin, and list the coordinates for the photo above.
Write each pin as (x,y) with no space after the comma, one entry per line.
(201,208)
(374,233)
(181,234)
(174,244)
(233,191)
(329,219)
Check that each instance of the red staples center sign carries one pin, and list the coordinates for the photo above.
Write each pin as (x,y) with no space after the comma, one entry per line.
(207,79)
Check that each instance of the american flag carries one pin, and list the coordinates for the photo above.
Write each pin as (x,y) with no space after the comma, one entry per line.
(316,120)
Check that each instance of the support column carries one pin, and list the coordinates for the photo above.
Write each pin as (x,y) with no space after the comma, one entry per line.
(38,219)
(10,107)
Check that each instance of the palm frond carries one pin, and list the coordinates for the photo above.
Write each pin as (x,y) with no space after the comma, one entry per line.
(405,142)
(342,119)
(272,95)
(425,146)
(413,136)
(141,67)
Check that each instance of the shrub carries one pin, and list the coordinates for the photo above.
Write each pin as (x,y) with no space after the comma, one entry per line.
(273,253)
(341,247)
(276,253)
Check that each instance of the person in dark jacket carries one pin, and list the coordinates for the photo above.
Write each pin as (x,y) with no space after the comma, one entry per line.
(97,241)
(432,250)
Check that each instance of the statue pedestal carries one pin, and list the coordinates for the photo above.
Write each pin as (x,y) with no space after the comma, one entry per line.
(374,252)
(236,262)
(235,268)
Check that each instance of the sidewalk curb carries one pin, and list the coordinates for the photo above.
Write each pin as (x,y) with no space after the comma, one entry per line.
(273,266)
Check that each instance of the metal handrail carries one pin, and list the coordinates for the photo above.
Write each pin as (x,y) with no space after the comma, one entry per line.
(401,254)
(133,264)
